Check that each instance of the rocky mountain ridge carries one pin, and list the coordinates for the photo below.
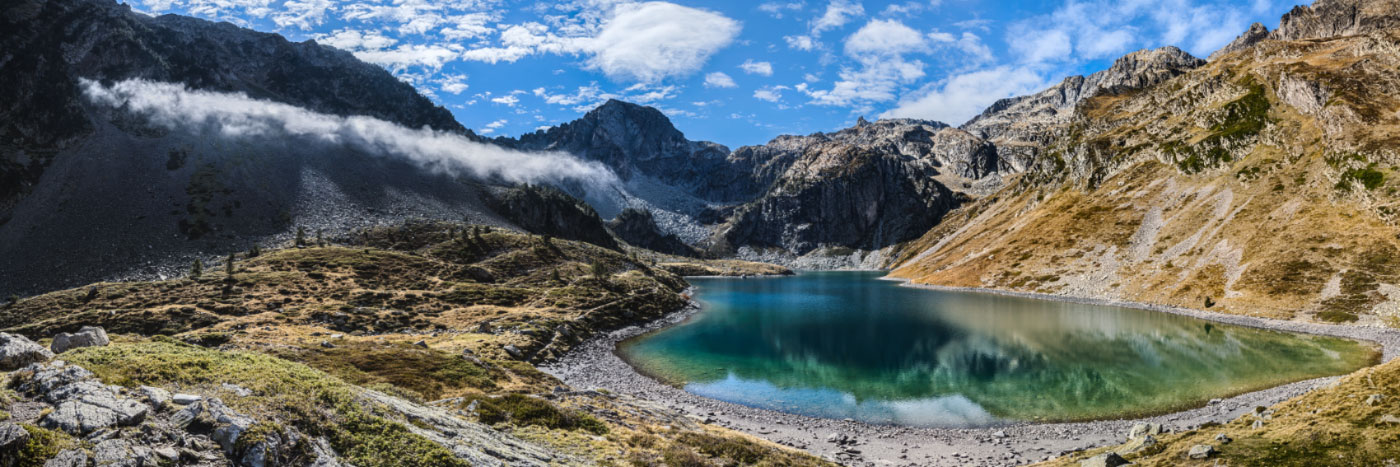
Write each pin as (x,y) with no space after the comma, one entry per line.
(1259,183)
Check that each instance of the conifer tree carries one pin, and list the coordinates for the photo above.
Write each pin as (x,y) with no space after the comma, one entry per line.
(301,237)
(228,266)
(197,269)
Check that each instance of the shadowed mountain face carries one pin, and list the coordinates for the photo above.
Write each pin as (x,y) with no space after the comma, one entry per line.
(89,192)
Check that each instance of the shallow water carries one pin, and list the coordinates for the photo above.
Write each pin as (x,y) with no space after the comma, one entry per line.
(848,345)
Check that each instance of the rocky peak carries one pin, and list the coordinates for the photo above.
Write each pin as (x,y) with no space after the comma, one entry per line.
(1022,118)
(1333,18)
(1257,32)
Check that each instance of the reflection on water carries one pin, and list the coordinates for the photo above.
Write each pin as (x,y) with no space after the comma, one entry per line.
(847,345)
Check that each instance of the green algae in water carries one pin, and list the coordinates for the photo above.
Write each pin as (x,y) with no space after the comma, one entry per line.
(848,345)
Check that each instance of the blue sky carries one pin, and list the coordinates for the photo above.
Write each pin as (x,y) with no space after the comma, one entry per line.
(736,72)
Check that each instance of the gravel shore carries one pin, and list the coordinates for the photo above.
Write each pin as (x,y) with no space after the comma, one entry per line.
(596,365)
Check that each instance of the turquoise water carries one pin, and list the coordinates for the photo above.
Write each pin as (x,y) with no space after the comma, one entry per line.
(848,345)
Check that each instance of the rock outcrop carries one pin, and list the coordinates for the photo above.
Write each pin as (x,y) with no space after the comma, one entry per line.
(1256,32)
(1334,18)
(638,228)
(17,352)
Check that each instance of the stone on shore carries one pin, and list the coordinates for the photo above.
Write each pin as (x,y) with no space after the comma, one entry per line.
(1201,451)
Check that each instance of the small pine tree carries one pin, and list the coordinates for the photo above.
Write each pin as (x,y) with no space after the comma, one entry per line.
(228,266)
(548,240)
(301,237)
(255,251)
(600,270)
(554,276)
(320,241)
(197,269)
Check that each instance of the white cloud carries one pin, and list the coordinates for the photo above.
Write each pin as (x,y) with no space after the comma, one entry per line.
(879,49)
(428,56)
(354,40)
(838,13)
(775,9)
(800,42)
(657,40)
(452,83)
(719,80)
(885,37)
(303,14)
(493,126)
(237,116)
(770,93)
(757,68)
(1041,46)
(507,100)
(467,26)
(961,97)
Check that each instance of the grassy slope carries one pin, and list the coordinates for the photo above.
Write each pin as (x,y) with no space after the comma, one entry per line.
(1332,426)
(1223,188)
(1229,189)
(306,327)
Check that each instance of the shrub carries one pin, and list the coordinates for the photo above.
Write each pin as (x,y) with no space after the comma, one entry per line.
(520,409)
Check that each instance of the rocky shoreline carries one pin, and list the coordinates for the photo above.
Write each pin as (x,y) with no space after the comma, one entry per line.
(596,365)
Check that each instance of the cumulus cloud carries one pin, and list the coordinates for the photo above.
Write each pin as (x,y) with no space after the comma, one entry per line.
(770,93)
(800,42)
(406,55)
(961,97)
(238,116)
(885,37)
(507,100)
(879,49)
(657,40)
(719,80)
(757,68)
(838,13)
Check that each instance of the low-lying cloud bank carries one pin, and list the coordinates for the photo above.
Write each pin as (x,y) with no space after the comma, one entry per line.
(239,116)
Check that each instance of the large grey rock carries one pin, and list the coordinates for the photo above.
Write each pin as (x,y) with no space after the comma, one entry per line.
(82,404)
(1201,451)
(122,453)
(159,398)
(229,425)
(12,437)
(69,458)
(88,336)
(1108,459)
(16,351)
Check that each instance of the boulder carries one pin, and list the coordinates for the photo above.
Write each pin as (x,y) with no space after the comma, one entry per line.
(229,425)
(159,398)
(69,458)
(514,352)
(12,438)
(121,453)
(1144,429)
(88,336)
(1374,399)
(1107,459)
(185,399)
(17,351)
(1201,451)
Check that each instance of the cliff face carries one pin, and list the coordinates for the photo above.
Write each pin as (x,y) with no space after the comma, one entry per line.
(1260,183)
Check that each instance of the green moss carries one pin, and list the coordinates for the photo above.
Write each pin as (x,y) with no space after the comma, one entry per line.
(1244,117)
(1368,177)
(426,373)
(43,444)
(736,451)
(520,409)
(308,399)
(1336,316)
